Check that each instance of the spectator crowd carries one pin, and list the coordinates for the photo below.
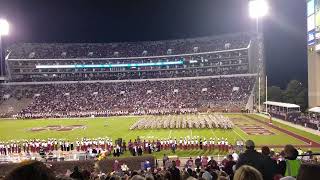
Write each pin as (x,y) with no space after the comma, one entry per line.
(249,165)
(134,97)
(198,57)
(310,120)
(127,49)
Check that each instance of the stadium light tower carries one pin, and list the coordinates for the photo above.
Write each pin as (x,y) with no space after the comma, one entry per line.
(257,10)
(4,31)
(4,27)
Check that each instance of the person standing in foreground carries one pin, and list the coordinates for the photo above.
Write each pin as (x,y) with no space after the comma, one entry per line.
(291,165)
(251,157)
(175,172)
(271,164)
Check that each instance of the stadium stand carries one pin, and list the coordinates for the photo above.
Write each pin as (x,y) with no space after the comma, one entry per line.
(154,77)
(135,60)
(128,49)
(135,97)
(307,121)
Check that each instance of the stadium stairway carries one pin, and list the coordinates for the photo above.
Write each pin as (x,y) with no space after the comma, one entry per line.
(13,106)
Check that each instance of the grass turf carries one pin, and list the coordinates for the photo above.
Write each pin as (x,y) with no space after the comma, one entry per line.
(118,127)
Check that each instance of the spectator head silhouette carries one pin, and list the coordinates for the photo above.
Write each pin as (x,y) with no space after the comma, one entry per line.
(246,172)
(249,144)
(34,170)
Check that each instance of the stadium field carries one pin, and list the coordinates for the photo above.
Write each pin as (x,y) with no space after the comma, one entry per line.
(275,135)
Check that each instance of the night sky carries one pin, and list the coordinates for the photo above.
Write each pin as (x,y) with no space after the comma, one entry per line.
(135,20)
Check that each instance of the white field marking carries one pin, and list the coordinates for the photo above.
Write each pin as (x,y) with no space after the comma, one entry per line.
(131,131)
(213,133)
(146,136)
(238,134)
(151,132)
(191,132)
(170,133)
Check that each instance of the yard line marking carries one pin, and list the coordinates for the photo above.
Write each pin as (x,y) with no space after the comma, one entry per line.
(170,133)
(150,132)
(191,132)
(213,133)
(238,134)
(131,131)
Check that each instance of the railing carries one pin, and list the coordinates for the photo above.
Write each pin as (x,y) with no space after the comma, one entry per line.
(128,80)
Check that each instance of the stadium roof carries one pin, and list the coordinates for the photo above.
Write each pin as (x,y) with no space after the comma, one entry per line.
(281,104)
(314,109)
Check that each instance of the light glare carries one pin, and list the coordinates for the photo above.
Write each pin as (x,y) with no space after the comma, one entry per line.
(258,8)
(4,27)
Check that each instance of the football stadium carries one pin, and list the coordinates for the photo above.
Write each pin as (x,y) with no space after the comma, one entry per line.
(184,108)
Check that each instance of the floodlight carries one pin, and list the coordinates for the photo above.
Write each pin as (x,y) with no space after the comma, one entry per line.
(4,27)
(258,8)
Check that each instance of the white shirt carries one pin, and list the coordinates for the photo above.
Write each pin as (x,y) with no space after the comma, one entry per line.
(235,156)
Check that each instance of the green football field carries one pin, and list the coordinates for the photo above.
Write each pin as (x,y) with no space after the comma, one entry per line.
(118,127)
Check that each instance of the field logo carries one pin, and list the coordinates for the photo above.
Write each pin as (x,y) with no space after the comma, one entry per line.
(57,128)
(253,129)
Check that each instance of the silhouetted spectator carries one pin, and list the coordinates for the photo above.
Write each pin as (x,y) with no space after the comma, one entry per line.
(34,170)
(251,157)
(270,169)
(175,172)
(228,168)
(76,174)
(308,171)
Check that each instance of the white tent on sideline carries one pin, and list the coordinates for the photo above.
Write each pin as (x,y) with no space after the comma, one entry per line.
(314,110)
(282,107)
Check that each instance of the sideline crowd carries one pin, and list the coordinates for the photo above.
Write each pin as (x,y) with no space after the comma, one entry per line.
(249,165)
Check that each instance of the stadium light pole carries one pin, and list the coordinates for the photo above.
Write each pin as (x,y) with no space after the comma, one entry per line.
(257,10)
(4,31)
(266,94)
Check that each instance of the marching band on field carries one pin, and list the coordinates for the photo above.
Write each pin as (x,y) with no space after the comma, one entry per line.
(37,145)
(136,147)
(211,121)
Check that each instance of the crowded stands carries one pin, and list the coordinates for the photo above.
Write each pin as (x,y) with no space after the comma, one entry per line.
(134,97)
(128,49)
(253,164)
(135,60)
(306,120)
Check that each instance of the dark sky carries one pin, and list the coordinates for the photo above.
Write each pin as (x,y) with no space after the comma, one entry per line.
(135,20)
